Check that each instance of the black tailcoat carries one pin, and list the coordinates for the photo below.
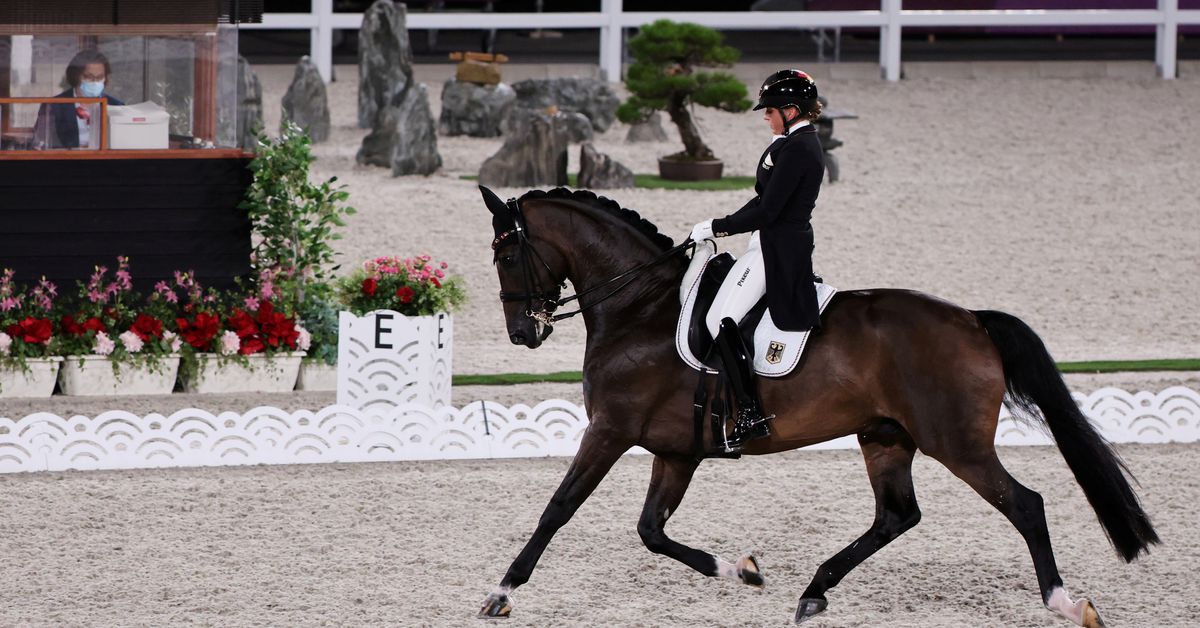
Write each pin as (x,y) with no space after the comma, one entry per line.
(789,179)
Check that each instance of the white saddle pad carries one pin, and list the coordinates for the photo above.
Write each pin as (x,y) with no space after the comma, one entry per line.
(776,352)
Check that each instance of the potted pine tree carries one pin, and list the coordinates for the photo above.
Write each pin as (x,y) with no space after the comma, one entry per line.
(666,76)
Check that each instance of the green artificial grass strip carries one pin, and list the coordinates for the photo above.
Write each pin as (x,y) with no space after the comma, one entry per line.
(508,379)
(1121,366)
(1093,366)
(655,182)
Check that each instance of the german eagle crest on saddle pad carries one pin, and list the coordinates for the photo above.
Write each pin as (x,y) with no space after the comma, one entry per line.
(776,352)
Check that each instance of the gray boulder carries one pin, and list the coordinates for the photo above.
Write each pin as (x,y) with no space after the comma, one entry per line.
(572,127)
(474,110)
(536,156)
(384,60)
(249,109)
(598,171)
(403,137)
(650,130)
(305,102)
(591,97)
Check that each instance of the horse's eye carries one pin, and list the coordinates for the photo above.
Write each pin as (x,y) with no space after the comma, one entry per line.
(508,260)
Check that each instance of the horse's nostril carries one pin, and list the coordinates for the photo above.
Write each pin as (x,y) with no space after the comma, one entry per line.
(517,338)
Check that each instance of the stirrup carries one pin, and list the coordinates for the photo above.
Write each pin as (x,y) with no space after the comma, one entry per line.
(747,429)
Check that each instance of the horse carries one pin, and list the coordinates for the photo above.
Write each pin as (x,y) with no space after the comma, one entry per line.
(901,370)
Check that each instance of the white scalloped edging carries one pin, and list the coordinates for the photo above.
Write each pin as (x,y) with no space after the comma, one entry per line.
(265,435)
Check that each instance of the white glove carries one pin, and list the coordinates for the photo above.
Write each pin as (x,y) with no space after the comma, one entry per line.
(702,231)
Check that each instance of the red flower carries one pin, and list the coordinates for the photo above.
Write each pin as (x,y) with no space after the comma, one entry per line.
(34,331)
(369,285)
(199,332)
(243,324)
(94,324)
(277,328)
(435,282)
(147,327)
(405,293)
(251,345)
(70,327)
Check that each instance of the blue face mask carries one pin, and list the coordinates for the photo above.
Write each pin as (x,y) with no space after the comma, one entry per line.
(91,89)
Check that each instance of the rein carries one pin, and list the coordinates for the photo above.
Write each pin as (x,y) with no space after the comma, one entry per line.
(550,300)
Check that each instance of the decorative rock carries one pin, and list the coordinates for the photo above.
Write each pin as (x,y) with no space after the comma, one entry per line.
(537,155)
(305,102)
(250,111)
(573,127)
(384,60)
(474,110)
(598,171)
(651,130)
(591,97)
(404,137)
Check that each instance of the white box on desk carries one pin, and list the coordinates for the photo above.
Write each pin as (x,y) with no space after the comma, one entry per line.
(143,125)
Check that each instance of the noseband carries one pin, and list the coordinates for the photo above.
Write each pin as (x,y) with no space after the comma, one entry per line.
(540,304)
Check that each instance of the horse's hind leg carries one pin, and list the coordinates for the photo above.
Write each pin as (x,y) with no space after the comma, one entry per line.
(595,457)
(888,451)
(1024,509)
(668,483)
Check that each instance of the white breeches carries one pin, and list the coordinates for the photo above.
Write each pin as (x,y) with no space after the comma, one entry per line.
(745,285)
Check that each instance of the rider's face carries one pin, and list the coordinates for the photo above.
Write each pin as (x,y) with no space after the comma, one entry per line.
(774,118)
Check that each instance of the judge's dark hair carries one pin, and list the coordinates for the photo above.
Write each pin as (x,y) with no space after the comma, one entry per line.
(81,60)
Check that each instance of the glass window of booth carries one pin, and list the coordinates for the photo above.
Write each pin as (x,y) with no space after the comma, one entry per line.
(114,88)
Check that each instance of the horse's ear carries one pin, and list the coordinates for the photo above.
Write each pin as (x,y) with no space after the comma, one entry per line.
(493,202)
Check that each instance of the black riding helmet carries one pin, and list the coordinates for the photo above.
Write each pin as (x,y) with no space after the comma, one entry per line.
(787,88)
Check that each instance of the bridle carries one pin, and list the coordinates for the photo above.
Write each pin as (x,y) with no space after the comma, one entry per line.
(540,304)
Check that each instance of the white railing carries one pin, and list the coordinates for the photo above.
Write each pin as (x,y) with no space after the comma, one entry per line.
(612,20)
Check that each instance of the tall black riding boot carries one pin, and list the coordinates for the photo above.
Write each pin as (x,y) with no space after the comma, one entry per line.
(739,368)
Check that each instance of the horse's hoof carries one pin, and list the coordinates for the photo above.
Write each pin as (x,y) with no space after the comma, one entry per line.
(496,606)
(749,572)
(1091,616)
(808,607)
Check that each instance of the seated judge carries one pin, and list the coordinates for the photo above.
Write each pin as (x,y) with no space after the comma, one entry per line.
(70,125)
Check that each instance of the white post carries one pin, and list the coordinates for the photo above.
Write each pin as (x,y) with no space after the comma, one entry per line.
(322,38)
(889,40)
(611,47)
(1167,37)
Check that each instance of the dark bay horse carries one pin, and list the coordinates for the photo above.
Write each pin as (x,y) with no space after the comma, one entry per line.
(903,371)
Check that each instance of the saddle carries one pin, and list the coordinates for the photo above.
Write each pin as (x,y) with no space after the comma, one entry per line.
(776,352)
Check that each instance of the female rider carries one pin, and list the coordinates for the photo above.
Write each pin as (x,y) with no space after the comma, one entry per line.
(778,261)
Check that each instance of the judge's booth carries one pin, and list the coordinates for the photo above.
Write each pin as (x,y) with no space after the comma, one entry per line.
(118,136)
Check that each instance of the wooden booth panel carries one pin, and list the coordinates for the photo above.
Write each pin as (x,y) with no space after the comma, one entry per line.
(61,218)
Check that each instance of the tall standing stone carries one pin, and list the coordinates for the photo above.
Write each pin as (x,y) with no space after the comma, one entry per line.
(535,156)
(305,102)
(250,109)
(648,130)
(403,137)
(384,59)
(598,171)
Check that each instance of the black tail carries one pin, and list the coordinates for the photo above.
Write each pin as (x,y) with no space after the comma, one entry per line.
(1033,383)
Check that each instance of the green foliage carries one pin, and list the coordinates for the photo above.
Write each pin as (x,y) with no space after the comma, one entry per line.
(664,73)
(293,218)
(319,314)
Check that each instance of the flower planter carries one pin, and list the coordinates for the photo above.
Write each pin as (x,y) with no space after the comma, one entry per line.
(674,170)
(264,374)
(92,375)
(316,375)
(387,359)
(38,381)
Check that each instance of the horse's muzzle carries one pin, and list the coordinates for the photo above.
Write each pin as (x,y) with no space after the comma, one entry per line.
(528,340)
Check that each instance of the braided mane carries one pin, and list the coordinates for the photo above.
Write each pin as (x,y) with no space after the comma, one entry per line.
(609,206)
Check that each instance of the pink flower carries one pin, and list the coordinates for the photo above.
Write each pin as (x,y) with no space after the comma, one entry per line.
(104,344)
(439,274)
(267,290)
(131,341)
(174,340)
(445,265)
(9,303)
(230,343)
(304,339)
(251,303)
(5,343)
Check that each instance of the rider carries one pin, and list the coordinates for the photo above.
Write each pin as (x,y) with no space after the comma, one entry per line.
(778,261)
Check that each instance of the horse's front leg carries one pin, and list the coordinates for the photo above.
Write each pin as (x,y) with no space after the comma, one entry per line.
(596,455)
(668,483)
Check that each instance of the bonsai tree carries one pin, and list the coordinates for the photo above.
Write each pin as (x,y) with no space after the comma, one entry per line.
(664,77)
